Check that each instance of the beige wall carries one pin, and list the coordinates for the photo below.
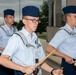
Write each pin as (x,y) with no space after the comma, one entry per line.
(51,32)
(70,2)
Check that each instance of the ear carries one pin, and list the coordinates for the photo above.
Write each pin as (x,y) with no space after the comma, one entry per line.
(69,17)
(24,21)
(5,18)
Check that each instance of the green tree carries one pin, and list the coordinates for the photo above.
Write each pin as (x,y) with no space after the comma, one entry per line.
(15,24)
(43,18)
(20,25)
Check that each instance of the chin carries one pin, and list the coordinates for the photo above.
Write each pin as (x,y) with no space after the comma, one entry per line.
(34,30)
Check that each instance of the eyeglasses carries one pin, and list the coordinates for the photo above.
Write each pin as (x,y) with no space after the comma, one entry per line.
(33,20)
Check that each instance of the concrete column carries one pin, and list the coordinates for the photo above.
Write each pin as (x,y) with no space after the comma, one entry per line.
(54,13)
(50,13)
(57,13)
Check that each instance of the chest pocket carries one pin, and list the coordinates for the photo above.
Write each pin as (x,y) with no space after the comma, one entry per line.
(21,35)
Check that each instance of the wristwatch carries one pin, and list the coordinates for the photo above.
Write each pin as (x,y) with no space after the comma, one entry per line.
(52,71)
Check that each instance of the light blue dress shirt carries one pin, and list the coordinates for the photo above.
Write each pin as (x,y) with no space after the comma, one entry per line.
(3,37)
(65,42)
(21,54)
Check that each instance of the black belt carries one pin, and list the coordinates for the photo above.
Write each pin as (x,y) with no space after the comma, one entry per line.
(36,69)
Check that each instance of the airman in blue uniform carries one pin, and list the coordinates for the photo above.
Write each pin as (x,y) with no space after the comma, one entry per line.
(6,32)
(26,55)
(64,41)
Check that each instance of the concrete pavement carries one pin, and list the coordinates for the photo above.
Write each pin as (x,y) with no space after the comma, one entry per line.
(53,58)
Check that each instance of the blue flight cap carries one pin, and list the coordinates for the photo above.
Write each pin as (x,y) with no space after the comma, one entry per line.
(9,12)
(30,11)
(69,9)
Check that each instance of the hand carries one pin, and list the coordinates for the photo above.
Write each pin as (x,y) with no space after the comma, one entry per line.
(69,60)
(28,70)
(58,72)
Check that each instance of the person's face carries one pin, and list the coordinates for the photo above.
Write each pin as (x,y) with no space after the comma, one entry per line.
(30,23)
(9,19)
(72,19)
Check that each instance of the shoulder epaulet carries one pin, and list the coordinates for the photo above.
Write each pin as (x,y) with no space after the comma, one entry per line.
(67,30)
(21,35)
(6,31)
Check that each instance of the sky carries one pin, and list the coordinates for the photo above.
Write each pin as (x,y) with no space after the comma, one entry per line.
(14,4)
